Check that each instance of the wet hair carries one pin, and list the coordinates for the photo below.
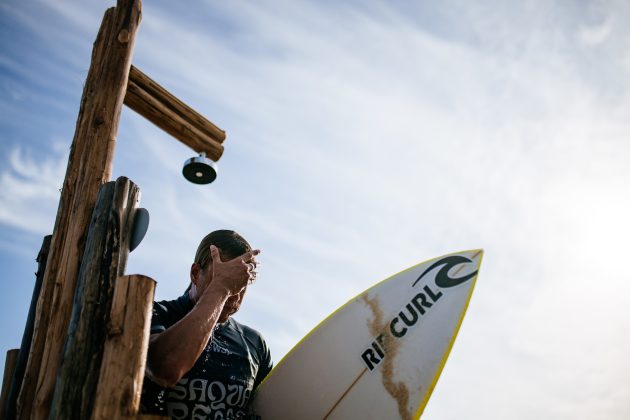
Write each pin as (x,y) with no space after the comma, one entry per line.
(230,243)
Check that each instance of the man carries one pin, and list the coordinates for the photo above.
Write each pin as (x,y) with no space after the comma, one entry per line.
(201,363)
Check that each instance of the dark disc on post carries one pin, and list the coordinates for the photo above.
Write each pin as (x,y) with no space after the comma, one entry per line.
(139,229)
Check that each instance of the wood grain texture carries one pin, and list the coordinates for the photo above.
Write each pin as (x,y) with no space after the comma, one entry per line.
(154,103)
(9,370)
(104,259)
(173,103)
(89,166)
(27,336)
(125,355)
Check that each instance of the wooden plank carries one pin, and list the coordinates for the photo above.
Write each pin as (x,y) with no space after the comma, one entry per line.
(121,378)
(9,370)
(89,166)
(159,113)
(172,103)
(27,336)
(104,259)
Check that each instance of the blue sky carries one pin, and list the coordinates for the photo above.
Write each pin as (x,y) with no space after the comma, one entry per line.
(364,137)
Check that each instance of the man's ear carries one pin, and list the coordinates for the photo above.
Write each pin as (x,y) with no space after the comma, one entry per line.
(194,272)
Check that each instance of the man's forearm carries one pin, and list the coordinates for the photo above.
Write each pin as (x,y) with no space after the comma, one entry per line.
(173,352)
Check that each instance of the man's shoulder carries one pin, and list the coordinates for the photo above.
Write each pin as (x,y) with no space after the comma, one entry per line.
(250,334)
(179,306)
(247,330)
(167,312)
(259,348)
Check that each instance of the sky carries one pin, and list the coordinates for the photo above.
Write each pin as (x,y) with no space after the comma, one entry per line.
(362,138)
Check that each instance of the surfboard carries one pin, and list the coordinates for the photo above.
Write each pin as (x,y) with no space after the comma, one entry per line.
(380,355)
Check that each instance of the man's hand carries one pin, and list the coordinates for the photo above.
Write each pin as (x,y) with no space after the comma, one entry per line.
(232,276)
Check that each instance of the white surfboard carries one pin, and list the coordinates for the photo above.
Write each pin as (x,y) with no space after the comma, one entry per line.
(378,356)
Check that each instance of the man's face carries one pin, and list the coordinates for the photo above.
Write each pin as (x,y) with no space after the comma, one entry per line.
(232,305)
(203,280)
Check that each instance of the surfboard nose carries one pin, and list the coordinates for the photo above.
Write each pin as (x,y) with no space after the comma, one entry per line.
(472,254)
(477,254)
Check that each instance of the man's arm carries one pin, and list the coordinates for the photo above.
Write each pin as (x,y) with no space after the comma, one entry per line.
(173,352)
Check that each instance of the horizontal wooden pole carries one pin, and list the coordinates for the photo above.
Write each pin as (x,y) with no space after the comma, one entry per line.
(173,103)
(159,106)
(153,110)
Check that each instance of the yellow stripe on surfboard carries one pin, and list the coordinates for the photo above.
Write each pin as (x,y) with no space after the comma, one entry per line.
(450,344)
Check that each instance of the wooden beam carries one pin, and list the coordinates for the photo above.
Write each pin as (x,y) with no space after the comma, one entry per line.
(9,370)
(173,103)
(159,106)
(121,378)
(89,165)
(27,336)
(104,259)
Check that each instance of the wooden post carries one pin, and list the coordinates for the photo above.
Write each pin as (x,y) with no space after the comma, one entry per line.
(9,370)
(29,380)
(89,166)
(125,356)
(25,346)
(104,258)
(163,109)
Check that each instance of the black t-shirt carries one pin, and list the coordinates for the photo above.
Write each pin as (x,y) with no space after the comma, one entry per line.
(219,385)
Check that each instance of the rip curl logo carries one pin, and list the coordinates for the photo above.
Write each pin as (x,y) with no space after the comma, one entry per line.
(418,306)
(442,279)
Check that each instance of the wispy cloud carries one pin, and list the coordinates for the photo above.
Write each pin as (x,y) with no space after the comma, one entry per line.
(29,190)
